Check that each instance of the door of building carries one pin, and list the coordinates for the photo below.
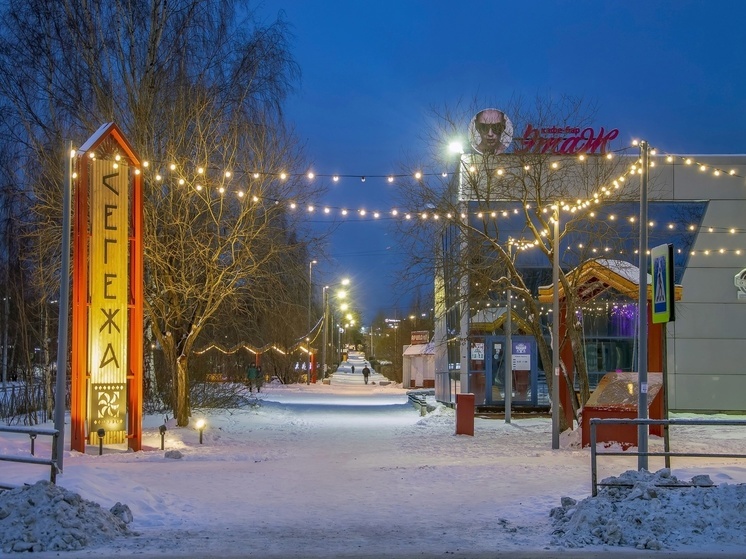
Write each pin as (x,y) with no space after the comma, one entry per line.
(525,370)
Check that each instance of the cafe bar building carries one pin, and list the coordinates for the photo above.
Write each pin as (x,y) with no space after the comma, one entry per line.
(697,203)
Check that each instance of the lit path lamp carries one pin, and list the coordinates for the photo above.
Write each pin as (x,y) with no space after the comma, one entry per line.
(101,434)
(162,431)
(201,428)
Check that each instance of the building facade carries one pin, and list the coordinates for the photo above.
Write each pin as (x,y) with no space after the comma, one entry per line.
(697,203)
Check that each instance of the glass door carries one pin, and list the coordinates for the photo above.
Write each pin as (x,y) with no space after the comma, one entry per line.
(524,370)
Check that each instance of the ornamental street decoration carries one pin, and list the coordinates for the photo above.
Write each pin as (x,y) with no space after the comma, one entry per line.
(740,282)
(107,323)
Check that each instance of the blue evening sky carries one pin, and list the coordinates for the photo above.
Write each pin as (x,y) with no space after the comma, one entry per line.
(672,72)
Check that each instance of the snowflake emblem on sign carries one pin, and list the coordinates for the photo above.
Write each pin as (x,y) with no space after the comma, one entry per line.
(108,404)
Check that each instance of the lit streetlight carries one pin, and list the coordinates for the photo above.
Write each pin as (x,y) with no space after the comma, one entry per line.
(308,335)
(325,301)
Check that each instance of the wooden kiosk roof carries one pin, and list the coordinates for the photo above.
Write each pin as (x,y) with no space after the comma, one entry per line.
(595,277)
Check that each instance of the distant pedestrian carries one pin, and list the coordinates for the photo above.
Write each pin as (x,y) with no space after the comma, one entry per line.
(252,374)
(366,373)
(352,368)
(259,378)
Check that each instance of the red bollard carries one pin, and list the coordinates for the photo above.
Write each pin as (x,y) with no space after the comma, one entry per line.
(465,414)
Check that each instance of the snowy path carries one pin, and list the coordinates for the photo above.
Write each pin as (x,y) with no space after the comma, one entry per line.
(349,472)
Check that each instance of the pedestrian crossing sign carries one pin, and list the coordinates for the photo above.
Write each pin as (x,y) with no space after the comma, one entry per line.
(661,260)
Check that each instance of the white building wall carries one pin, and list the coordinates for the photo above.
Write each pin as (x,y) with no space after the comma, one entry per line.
(707,342)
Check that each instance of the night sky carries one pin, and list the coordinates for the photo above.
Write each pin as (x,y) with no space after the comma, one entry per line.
(672,72)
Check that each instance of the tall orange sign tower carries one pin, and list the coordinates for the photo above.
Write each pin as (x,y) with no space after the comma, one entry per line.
(107,293)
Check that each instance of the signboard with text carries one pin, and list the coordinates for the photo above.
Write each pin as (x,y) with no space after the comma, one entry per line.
(565,140)
(106,357)
(420,337)
(107,318)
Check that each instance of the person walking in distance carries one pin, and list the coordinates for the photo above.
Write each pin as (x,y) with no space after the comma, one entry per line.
(366,373)
(252,373)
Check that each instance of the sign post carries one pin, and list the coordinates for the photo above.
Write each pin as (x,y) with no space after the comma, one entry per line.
(107,321)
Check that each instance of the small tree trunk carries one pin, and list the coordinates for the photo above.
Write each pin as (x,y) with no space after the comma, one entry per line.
(182,403)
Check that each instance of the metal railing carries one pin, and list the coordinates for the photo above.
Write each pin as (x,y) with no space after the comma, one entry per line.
(33,432)
(667,454)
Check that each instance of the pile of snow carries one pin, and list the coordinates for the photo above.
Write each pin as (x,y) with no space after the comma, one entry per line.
(47,517)
(653,511)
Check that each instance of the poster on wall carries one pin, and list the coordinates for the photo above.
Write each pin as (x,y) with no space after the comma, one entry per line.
(477,351)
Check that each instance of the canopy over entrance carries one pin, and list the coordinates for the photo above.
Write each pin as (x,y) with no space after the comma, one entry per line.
(598,276)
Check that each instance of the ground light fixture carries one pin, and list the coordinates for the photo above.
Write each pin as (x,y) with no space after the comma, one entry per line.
(200,427)
(162,431)
(101,434)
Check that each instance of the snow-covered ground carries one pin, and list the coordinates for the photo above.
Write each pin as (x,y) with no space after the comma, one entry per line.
(353,470)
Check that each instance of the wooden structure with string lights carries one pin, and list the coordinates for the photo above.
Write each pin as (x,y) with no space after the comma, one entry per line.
(107,290)
(589,281)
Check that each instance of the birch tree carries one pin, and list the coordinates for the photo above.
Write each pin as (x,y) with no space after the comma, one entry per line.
(197,86)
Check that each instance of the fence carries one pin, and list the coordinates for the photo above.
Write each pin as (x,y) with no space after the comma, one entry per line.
(667,454)
(33,432)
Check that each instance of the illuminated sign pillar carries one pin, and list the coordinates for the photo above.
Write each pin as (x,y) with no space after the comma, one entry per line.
(107,317)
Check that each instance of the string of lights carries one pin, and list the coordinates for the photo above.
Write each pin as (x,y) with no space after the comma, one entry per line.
(197,178)
(198,181)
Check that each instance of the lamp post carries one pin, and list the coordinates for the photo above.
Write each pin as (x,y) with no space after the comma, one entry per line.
(308,334)
(62,327)
(509,339)
(555,331)
(642,316)
(519,245)
(325,335)
(325,310)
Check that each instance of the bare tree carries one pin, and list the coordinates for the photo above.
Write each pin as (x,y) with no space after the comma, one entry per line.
(197,84)
(471,221)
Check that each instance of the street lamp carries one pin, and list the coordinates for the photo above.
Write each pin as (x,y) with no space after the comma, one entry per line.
(339,341)
(308,335)
(508,385)
(555,330)
(200,427)
(325,302)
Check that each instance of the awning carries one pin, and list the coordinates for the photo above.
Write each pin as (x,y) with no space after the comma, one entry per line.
(420,349)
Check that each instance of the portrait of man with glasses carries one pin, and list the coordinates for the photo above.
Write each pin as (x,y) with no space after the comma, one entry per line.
(491,131)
